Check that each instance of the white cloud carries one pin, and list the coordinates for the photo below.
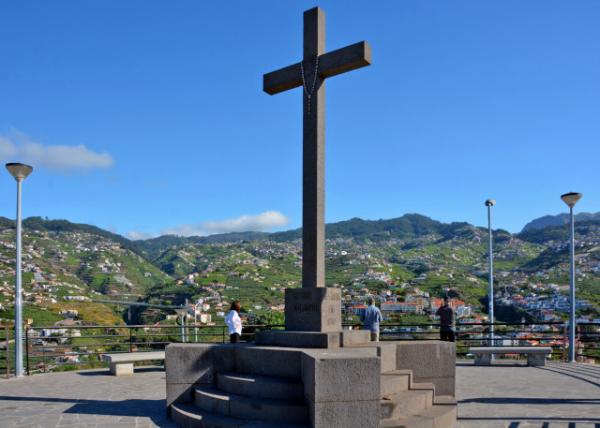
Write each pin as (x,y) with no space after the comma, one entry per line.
(135,235)
(263,222)
(20,148)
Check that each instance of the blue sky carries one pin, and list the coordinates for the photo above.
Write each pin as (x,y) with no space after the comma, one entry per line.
(147,117)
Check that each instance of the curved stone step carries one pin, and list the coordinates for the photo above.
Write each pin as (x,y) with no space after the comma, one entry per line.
(261,409)
(269,361)
(432,417)
(404,403)
(189,416)
(260,386)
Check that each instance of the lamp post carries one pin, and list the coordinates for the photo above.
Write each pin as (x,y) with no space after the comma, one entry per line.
(571,199)
(198,303)
(489,204)
(182,312)
(20,172)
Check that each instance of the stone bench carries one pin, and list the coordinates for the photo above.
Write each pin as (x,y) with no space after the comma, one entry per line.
(536,355)
(122,364)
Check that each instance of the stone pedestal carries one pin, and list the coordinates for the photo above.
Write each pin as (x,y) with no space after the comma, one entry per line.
(312,320)
(313,309)
(338,388)
(237,385)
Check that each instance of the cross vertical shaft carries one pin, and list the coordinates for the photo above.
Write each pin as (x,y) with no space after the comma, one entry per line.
(314,307)
(313,179)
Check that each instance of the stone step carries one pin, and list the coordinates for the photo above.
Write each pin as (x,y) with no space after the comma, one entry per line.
(432,417)
(394,382)
(256,386)
(264,409)
(444,400)
(189,416)
(422,386)
(269,361)
(404,403)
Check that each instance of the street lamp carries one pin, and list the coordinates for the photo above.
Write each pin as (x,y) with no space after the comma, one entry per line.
(571,199)
(489,204)
(20,172)
(195,305)
(182,313)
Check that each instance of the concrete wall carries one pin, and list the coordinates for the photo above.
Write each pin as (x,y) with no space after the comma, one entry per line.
(430,361)
(187,365)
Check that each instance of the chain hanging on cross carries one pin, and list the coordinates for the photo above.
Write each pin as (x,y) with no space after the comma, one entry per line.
(308,93)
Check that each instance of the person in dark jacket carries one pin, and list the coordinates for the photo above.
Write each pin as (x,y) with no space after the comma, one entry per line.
(446,314)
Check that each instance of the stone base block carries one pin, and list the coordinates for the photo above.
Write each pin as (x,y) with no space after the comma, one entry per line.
(298,339)
(313,309)
(357,414)
(354,337)
(312,339)
(121,369)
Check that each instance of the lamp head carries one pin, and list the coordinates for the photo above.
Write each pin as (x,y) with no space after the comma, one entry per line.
(19,171)
(181,311)
(490,202)
(571,198)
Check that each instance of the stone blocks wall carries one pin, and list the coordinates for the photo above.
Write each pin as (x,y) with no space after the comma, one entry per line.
(342,388)
(430,361)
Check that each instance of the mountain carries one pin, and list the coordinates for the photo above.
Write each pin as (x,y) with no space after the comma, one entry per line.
(559,220)
(41,224)
(63,259)
(153,247)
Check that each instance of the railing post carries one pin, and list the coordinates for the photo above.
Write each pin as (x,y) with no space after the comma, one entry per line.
(7,349)
(130,340)
(27,349)
(565,341)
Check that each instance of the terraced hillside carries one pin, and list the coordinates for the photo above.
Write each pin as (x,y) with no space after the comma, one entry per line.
(70,267)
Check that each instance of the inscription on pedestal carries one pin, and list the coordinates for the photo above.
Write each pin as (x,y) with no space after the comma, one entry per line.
(313,309)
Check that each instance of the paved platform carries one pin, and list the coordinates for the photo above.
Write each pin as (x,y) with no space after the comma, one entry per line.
(86,399)
(557,395)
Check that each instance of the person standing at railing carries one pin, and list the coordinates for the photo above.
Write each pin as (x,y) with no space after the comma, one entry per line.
(371,318)
(234,322)
(446,314)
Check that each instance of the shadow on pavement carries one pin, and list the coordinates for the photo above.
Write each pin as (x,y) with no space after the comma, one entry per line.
(136,370)
(516,421)
(570,373)
(529,400)
(152,409)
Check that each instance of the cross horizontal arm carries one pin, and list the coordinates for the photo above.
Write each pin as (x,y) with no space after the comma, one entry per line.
(283,79)
(330,64)
(345,59)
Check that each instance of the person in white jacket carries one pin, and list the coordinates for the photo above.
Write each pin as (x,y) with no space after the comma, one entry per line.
(234,322)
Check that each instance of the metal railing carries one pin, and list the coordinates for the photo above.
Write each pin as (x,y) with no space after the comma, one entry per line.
(549,334)
(6,338)
(58,348)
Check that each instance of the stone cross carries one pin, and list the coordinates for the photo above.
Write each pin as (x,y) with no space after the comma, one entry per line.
(311,74)
(314,307)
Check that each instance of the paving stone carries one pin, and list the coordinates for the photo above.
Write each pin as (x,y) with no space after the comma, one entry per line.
(489,397)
